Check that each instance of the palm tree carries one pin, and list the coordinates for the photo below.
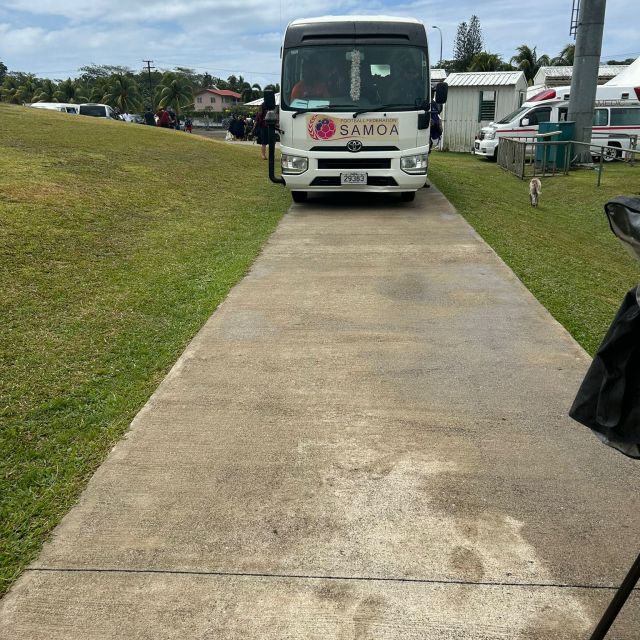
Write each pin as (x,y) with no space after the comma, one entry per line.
(257,90)
(98,88)
(252,92)
(70,91)
(565,59)
(46,91)
(123,93)
(485,61)
(174,91)
(528,62)
(8,89)
(273,87)
(244,89)
(27,88)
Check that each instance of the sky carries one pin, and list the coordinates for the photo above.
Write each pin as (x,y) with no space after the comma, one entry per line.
(53,38)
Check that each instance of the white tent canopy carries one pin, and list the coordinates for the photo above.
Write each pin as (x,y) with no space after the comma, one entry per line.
(630,77)
(259,101)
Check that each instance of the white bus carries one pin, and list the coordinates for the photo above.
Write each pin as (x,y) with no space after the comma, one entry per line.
(616,120)
(64,107)
(354,105)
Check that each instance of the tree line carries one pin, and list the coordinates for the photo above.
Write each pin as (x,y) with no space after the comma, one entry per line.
(469,55)
(122,88)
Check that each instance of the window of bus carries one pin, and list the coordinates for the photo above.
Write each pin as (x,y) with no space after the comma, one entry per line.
(600,118)
(344,77)
(626,116)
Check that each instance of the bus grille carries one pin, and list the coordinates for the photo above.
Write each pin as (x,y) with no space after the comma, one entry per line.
(373,181)
(354,163)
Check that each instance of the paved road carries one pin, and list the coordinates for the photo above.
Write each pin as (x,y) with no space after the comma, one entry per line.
(368,439)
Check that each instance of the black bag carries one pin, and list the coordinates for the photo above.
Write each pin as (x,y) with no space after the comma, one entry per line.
(608,401)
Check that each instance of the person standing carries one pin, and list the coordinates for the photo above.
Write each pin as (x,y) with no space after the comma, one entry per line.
(262,131)
(164,120)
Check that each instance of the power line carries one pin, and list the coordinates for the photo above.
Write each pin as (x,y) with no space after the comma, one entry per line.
(241,71)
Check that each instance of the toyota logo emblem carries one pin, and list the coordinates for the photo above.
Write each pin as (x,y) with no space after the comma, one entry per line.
(354,145)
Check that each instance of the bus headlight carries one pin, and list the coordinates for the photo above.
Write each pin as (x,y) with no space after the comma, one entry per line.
(490,135)
(294,164)
(415,165)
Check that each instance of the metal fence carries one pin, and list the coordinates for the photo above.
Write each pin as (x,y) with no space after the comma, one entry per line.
(541,156)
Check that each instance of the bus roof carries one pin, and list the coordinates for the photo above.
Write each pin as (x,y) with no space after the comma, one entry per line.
(324,19)
(326,30)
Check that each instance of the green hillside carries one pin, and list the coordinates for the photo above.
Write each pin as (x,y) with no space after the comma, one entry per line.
(117,241)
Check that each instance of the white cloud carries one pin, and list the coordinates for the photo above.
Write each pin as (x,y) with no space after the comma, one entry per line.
(244,36)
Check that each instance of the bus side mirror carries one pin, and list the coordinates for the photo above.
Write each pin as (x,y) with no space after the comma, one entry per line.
(270,99)
(525,122)
(442,89)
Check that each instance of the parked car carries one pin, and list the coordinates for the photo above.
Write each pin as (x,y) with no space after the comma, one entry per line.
(97,110)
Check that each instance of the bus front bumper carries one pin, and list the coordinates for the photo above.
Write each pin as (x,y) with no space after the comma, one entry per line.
(379,172)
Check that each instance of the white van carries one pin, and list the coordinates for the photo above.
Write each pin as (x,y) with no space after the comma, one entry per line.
(616,118)
(97,110)
(64,107)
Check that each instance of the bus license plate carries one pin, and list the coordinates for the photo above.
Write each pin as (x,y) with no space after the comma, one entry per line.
(353,178)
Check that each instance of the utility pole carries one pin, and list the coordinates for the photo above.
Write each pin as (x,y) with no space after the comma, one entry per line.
(149,67)
(584,80)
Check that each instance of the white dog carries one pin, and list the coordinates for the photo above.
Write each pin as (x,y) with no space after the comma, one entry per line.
(535,189)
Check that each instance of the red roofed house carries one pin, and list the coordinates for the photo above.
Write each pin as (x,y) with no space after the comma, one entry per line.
(215,99)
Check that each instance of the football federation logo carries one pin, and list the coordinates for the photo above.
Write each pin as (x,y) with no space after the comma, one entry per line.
(321,128)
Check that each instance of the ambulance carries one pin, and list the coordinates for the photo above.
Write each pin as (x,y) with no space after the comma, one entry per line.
(616,120)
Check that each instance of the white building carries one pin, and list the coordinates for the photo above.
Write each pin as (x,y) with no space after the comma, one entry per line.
(475,99)
(437,75)
(561,76)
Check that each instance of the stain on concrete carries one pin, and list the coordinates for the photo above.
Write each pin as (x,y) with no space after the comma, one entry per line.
(367,613)
(467,563)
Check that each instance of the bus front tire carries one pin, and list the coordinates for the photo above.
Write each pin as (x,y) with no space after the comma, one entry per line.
(299,196)
(407,196)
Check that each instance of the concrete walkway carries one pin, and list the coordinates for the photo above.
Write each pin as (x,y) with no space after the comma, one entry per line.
(367,440)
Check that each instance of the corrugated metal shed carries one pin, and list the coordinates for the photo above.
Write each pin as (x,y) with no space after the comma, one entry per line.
(472,97)
(484,78)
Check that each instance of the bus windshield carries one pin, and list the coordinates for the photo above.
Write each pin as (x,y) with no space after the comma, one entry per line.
(348,77)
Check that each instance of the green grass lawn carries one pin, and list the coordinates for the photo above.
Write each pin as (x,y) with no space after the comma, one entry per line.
(117,241)
(563,251)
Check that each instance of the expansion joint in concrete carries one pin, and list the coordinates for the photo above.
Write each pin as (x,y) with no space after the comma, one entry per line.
(294,576)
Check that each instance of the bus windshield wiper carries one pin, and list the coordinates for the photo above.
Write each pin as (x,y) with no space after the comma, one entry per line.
(299,111)
(384,107)
(326,109)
